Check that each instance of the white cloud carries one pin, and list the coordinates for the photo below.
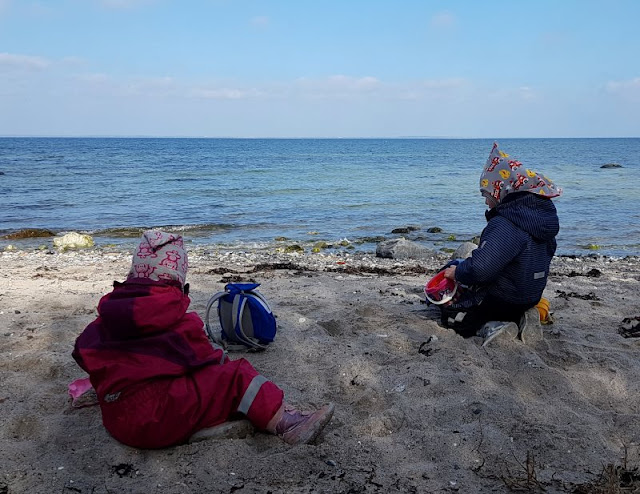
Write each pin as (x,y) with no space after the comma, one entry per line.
(224,93)
(526,92)
(23,62)
(260,21)
(73,61)
(443,20)
(431,89)
(629,89)
(125,4)
(336,86)
(347,87)
(443,84)
(92,78)
(509,95)
(356,83)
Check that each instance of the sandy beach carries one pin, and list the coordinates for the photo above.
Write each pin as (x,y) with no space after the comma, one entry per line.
(418,408)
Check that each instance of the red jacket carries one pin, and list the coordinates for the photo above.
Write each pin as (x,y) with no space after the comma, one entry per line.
(157,376)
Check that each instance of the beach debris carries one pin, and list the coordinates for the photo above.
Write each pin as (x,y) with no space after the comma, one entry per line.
(566,296)
(526,479)
(464,250)
(123,469)
(29,233)
(612,479)
(401,248)
(592,273)
(630,327)
(612,165)
(399,388)
(73,240)
(425,349)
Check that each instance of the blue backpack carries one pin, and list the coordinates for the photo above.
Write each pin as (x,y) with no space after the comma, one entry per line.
(245,317)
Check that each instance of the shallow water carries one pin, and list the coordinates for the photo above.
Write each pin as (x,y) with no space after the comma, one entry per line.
(247,192)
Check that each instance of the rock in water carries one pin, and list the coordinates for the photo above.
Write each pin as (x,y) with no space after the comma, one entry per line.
(73,240)
(29,233)
(612,165)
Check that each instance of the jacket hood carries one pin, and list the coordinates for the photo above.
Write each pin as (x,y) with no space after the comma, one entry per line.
(532,213)
(502,176)
(142,306)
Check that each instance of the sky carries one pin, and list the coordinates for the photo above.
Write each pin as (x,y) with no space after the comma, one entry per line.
(332,68)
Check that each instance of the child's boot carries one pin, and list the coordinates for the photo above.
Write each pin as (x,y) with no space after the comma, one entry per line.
(530,327)
(493,329)
(296,427)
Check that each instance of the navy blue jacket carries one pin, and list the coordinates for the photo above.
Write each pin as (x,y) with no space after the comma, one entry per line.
(515,251)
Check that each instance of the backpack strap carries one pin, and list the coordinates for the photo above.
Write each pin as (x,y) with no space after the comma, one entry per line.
(239,306)
(210,333)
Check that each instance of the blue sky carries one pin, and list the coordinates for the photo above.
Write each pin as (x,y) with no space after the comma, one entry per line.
(220,68)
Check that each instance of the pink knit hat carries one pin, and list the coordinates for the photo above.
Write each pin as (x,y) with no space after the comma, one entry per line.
(160,257)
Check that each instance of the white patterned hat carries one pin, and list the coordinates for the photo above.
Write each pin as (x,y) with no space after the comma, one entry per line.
(161,257)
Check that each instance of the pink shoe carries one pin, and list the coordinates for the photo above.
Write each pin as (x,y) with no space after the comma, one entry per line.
(296,427)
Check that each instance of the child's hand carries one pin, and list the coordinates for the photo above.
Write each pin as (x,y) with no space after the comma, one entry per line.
(450,272)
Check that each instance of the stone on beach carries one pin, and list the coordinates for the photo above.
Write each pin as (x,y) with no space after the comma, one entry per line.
(464,250)
(73,240)
(401,248)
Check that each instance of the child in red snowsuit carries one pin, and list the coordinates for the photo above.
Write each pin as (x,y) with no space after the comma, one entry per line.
(158,378)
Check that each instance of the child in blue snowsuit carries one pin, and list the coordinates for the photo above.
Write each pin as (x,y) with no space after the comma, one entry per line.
(509,269)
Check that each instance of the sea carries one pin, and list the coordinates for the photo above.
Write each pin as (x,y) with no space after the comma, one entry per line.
(268,193)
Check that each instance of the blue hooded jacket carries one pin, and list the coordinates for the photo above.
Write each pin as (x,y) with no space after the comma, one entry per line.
(515,251)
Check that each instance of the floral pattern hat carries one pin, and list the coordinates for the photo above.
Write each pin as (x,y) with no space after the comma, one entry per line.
(502,176)
(160,257)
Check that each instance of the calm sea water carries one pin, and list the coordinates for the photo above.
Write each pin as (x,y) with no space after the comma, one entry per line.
(247,192)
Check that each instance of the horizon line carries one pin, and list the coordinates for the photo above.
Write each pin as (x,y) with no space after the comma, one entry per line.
(142,136)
